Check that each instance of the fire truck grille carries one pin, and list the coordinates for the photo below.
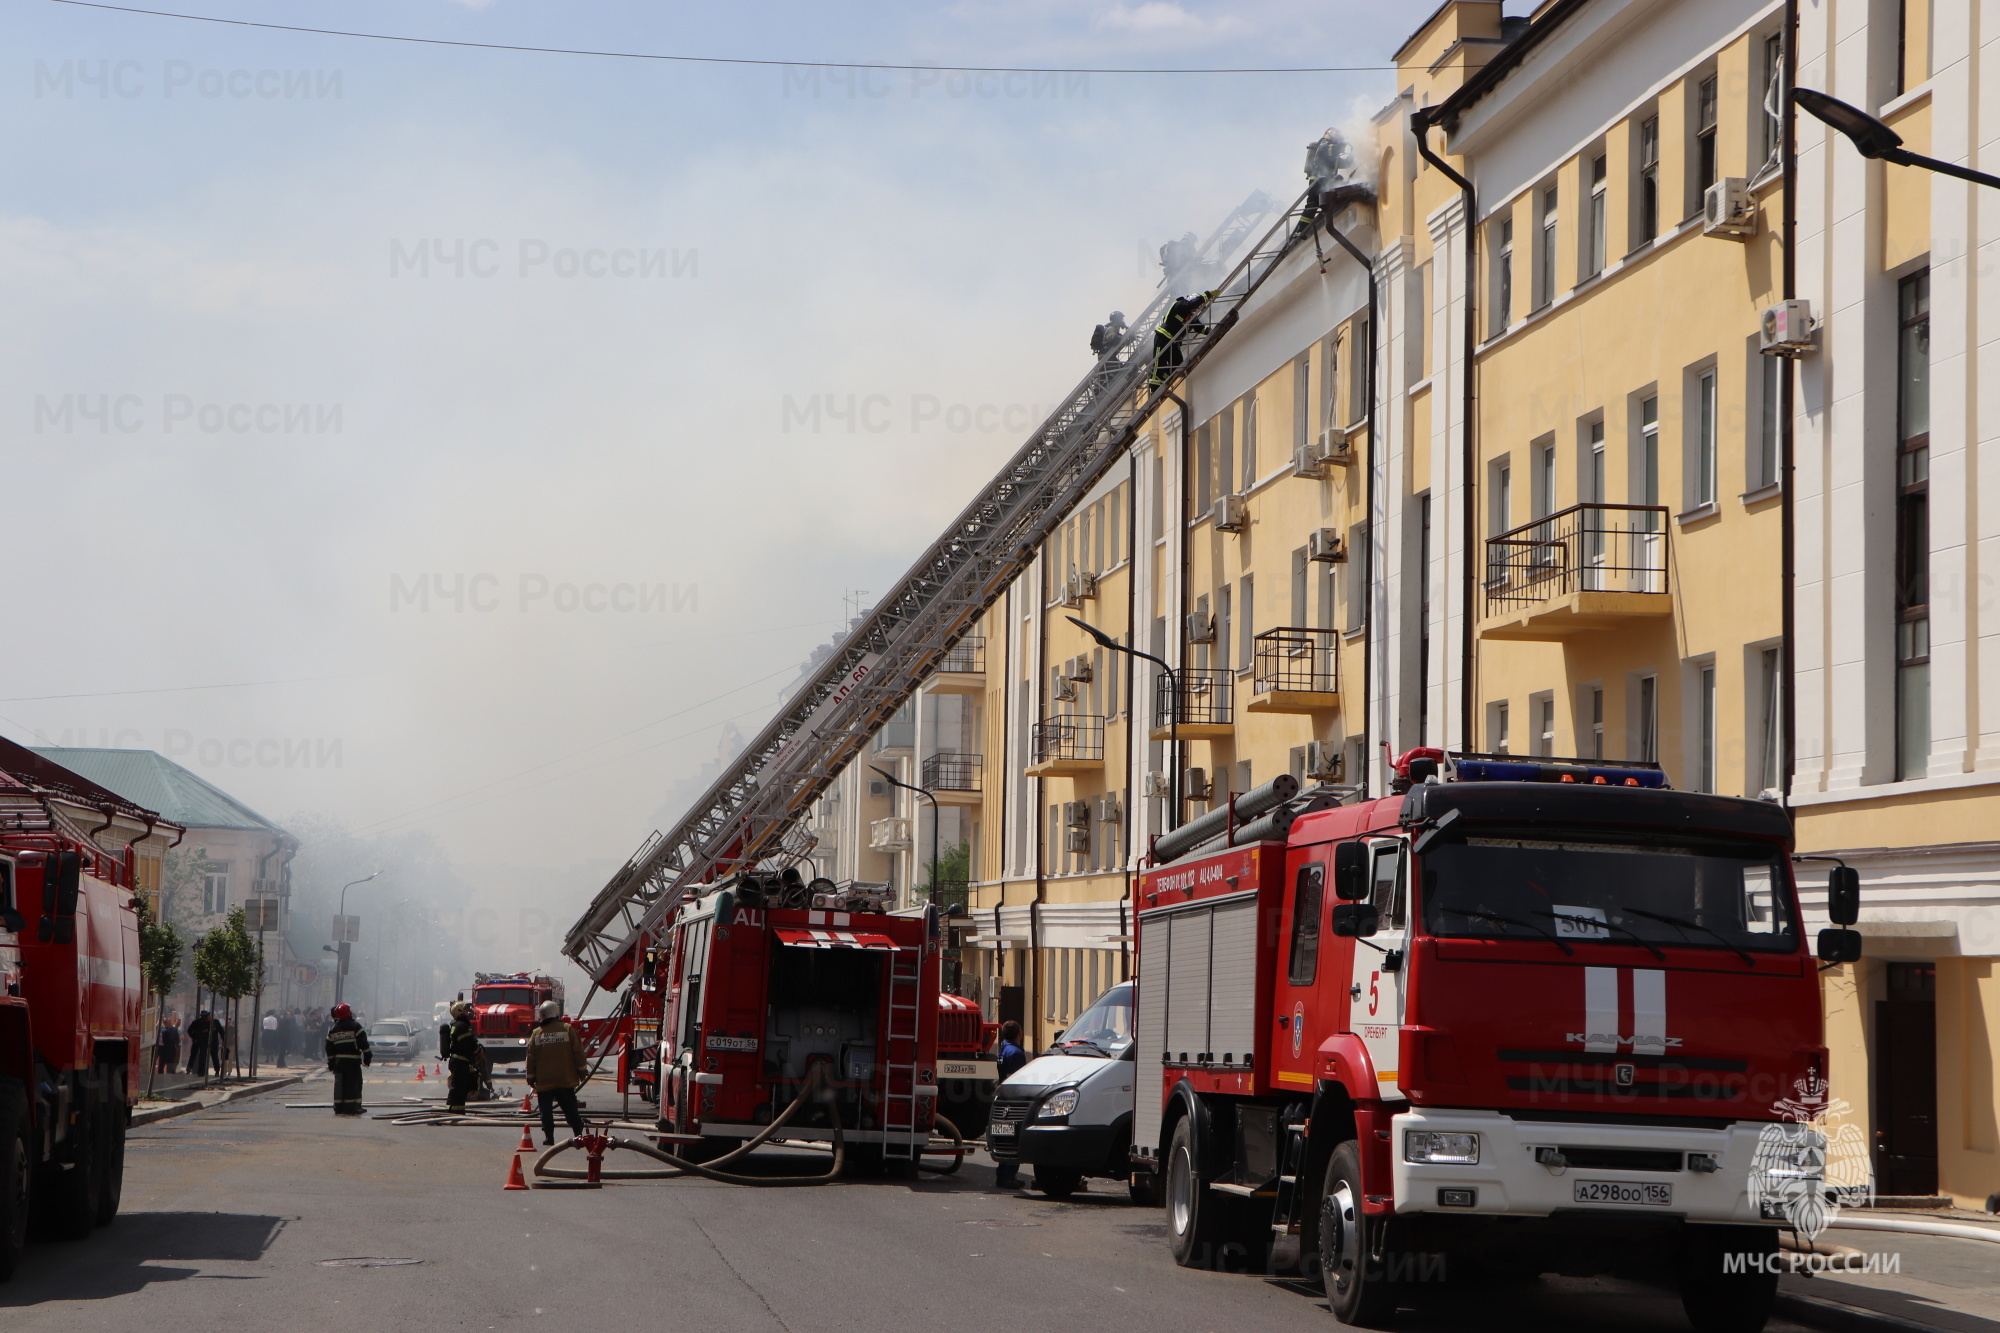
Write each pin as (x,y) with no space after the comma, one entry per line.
(1623,1159)
(958,1031)
(495,1025)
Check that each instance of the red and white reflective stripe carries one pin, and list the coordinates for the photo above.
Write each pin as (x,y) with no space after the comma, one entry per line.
(1624,1006)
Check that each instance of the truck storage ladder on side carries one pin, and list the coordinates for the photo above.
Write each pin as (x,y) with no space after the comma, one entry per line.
(753,812)
(899,1056)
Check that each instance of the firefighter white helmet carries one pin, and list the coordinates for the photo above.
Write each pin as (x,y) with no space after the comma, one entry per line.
(548,1009)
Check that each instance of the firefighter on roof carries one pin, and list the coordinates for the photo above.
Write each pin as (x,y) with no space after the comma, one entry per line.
(461,1049)
(346,1052)
(557,1066)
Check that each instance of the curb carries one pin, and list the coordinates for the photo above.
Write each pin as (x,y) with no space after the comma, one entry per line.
(1837,1317)
(152,1115)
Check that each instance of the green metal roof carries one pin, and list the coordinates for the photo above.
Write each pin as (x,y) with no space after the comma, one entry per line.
(158,783)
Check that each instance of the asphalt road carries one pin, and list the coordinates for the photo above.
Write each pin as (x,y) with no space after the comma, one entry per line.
(238,1218)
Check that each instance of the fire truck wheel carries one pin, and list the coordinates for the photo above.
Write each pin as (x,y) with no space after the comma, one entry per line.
(111,1152)
(1716,1299)
(66,1198)
(1056,1181)
(1195,1225)
(15,1175)
(1351,1247)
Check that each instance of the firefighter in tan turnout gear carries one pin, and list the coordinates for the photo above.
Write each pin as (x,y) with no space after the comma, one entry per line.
(461,1052)
(557,1067)
(346,1052)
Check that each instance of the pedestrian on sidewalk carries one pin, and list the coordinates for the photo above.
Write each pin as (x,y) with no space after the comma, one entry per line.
(557,1067)
(167,1045)
(288,1035)
(267,1043)
(1008,1174)
(347,1054)
(462,1051)
(201,1044)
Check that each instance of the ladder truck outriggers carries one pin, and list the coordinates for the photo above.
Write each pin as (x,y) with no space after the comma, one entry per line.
(751,820)
(1529,1016)
(71,996)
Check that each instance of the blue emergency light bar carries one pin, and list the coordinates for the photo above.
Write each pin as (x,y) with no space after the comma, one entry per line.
(1510,768)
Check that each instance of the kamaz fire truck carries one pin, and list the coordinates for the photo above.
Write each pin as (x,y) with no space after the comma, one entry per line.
(1521,1016)
(70,996)
(763,981)
(503,1011)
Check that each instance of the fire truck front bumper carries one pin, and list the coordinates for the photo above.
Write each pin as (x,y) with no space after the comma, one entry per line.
(505,1050)
(1486,1163)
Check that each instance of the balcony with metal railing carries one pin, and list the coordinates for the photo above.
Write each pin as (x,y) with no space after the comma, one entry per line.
(1067,743)
(952,896)
(954,778)
(1296,670)
(1589,567)
(963,668)
(1200,699)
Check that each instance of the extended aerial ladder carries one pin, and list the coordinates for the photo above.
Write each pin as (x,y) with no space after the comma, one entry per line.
(752,814)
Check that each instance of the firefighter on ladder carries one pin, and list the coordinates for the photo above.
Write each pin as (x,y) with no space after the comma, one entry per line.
(462,1052)
(346,1052)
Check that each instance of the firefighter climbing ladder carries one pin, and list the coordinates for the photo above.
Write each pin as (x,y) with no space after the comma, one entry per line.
(899,1051)
(752,813)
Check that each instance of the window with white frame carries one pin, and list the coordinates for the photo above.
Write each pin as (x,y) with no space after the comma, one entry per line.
(1596,245)
(1705,738)
(1545,250)
(1503,277)
(1702,444)
(215,887)
(1646,212)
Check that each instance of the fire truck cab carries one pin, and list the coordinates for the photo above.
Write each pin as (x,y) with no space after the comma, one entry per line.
(758,994)
(503,1011)
(1522,1016)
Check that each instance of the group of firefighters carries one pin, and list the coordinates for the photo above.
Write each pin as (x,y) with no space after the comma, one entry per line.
(557,1064)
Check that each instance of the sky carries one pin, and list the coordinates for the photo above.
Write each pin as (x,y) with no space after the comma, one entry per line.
(458,440)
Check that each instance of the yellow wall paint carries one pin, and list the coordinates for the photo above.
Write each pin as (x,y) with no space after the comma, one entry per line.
(1906,192)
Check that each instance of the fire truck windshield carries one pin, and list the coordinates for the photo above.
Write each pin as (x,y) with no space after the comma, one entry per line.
(1103,1029)
(504,995)
(1583,891)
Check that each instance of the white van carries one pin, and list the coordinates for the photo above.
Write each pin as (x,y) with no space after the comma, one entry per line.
(1068,1114)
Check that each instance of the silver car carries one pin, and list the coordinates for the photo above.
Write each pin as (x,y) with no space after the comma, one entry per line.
(391,1039)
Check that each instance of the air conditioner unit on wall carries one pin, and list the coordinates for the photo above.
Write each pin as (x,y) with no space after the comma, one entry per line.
(1086,585)
(1065,690)
(1076,840)
(1324,544)
(1787,329)
(1076,814)
(1323,761)
(1194,785)
(1231,513)
(1156,784)
(1309,460)
(1336,445)
(1728,209)
(1110,810)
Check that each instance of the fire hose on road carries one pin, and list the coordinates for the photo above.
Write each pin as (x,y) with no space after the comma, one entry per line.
(681,1166)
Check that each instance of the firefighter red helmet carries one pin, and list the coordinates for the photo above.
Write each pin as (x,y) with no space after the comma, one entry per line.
(343,1011)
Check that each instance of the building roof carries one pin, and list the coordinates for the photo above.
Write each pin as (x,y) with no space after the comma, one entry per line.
(158,783)
(1522,39)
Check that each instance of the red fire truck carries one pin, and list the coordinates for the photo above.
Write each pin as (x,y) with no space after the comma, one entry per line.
(759,989)
(503,1011)
(1521,1016)
(71,995)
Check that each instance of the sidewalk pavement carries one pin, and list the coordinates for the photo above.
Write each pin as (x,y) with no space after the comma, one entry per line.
(1933,1283)
(196,1098)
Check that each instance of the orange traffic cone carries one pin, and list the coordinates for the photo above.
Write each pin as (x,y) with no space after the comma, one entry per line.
(420,1073)
(514,1181)
(527,1102)
(527,1143)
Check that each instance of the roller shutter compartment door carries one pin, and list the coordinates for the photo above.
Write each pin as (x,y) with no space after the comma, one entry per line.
(1187,985)
(1232,1022)
(1151,1028)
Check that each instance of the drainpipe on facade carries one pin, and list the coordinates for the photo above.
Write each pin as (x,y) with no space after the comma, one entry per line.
(1033,991)
(1787,405)
(1420,126)
(1125,912)
(1368,573)
(1174,755)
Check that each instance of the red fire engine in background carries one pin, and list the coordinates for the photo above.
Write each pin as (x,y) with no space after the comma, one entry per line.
(760,982)
(71,997)
(1527,1016)
(503,1011)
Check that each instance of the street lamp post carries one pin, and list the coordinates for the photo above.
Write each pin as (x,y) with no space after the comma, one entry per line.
(1173,715)
(1871,138)
(895,781)
(340,968)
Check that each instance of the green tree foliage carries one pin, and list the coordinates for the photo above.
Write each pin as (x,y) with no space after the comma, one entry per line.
(160,946)
(225,960)
(954,869)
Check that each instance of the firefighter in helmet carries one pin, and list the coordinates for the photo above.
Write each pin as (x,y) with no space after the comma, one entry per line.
(462,1051)
(346,1052)
(557,1067)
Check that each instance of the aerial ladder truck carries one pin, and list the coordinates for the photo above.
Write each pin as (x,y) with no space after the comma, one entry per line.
(746,834)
